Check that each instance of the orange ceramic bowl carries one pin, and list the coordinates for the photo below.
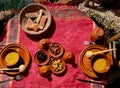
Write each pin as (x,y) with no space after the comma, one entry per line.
(57,66)
(24,57)
(100,63)
(34,7)
(42,57)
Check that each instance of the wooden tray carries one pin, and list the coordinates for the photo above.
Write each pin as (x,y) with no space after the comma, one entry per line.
(85,63)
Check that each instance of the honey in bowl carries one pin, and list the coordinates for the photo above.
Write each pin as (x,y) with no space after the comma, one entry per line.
(100,63)
(11,58)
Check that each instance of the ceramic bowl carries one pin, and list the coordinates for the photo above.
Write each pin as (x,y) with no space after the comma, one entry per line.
(24,57)
(10,57)
(42,57)
(55,49)
(100,63)
(57,66)
(34,7)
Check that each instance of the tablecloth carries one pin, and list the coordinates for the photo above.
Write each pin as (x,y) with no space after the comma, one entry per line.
(71,28)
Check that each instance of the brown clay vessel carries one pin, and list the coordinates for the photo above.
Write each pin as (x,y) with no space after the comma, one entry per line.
(43,43)
(97,34)
(68,56)
(44,71)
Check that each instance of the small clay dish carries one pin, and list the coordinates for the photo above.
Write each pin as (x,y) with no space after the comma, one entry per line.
(57,66)
(11,57)
(55,50)
(42,57)
(100,63)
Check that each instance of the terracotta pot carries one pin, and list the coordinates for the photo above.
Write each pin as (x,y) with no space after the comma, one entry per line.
(97,34)
(45,71)
(43,43)
(55,49)
(68,56)
(42,57)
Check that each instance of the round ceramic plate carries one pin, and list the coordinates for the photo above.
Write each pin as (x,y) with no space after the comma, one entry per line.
(85,63)
(24,55)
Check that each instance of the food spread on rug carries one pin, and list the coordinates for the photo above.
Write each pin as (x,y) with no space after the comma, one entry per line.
(71,28)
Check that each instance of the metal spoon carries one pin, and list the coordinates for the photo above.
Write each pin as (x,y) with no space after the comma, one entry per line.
(17,78)
(89,81)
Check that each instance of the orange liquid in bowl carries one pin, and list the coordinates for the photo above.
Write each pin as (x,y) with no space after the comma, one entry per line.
(11,58)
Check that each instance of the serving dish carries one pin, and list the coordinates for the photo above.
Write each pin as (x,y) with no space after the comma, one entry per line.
(85,62)
(23,54)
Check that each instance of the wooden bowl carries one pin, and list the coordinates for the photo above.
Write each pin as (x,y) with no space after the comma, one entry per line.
(57,66)
(55,50)
(24,57)
(100,63)
(34,7)
(42,57)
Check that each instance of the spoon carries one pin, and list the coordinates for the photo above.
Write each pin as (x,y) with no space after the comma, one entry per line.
(17,78)
(21,68)
(90,53)
(89,81)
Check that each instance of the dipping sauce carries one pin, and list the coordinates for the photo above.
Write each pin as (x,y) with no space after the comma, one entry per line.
(11,58)
(99,64)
